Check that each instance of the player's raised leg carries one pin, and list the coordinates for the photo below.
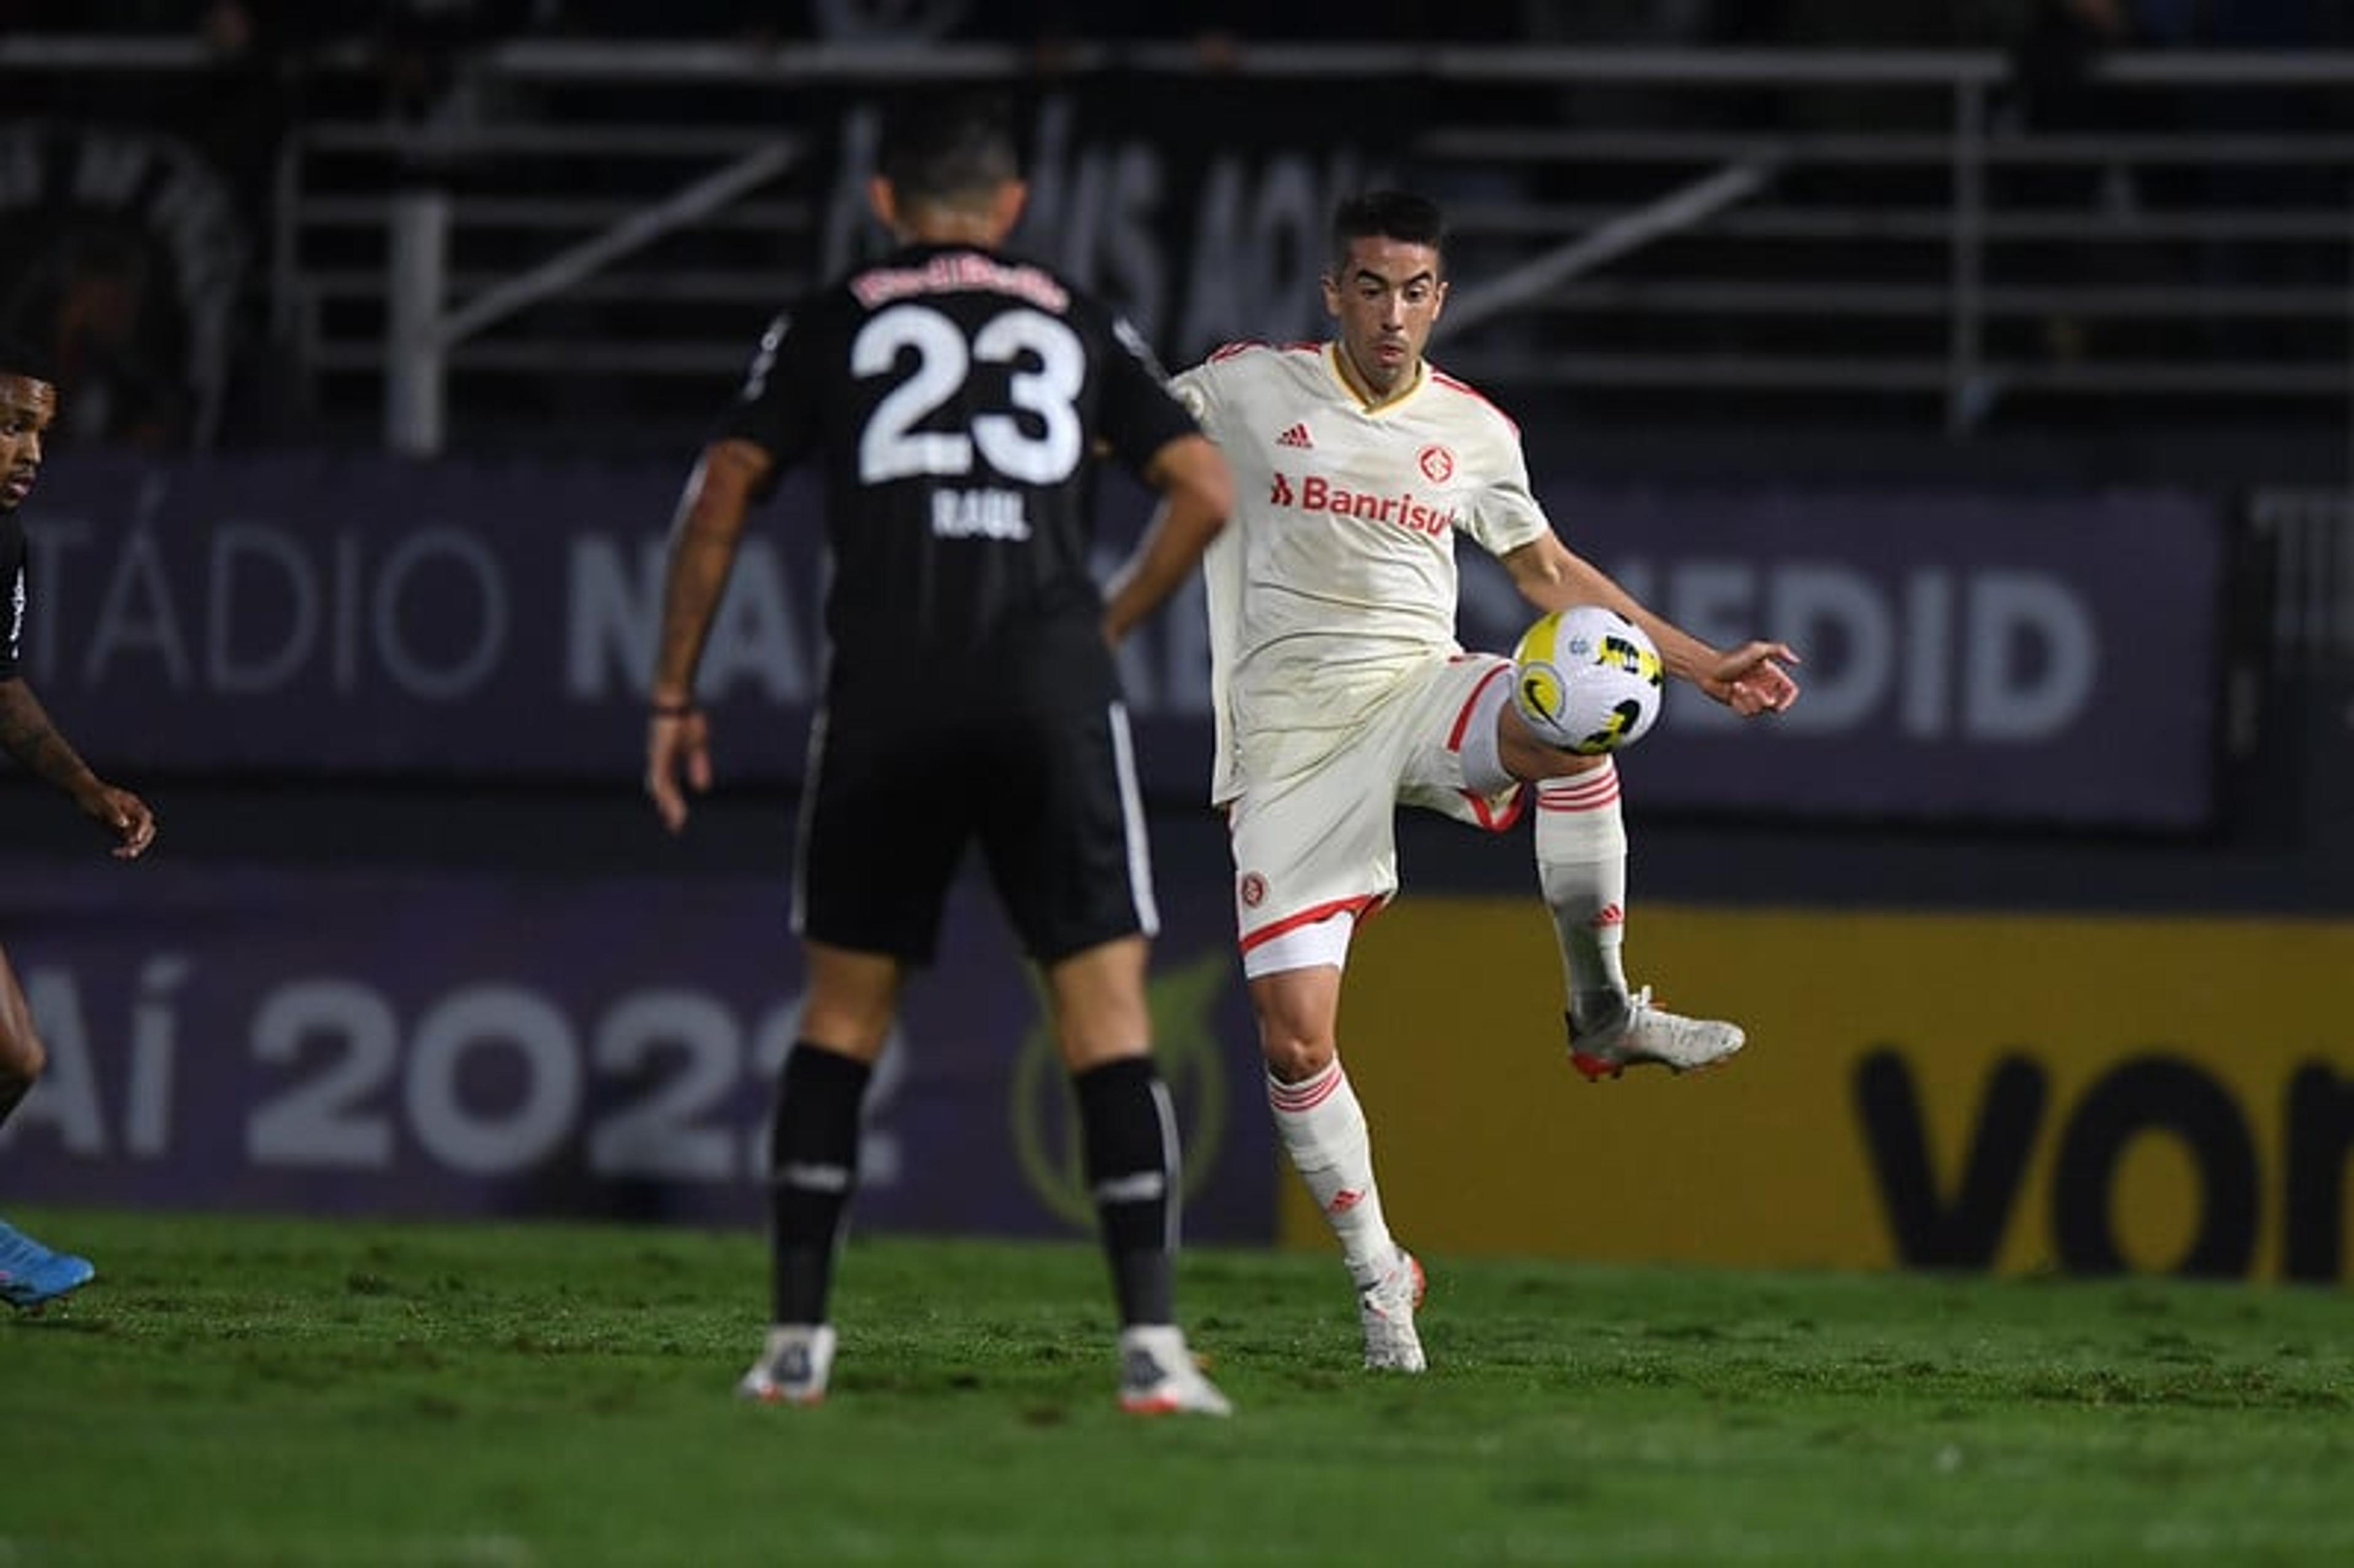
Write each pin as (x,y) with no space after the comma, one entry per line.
(1581,855)
(1587,681)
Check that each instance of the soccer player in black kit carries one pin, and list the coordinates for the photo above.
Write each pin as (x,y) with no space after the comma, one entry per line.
(30,1273)
(955,400)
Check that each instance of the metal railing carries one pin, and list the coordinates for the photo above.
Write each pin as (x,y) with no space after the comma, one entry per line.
(1904,232)
(1897,236)
(1812,232)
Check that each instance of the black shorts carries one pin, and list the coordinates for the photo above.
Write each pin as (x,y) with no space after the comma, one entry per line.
(1048,791)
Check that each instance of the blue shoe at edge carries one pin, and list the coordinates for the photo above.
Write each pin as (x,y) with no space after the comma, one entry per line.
(30,1273)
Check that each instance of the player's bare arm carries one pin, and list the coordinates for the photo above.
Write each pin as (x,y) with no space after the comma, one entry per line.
(34,744)
(1197,497)
(703,539)
(1750,679)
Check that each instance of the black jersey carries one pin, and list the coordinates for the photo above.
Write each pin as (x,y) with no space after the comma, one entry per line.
(12,593)
(957,400)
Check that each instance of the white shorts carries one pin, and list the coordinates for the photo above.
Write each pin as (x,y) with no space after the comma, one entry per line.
(1315,828)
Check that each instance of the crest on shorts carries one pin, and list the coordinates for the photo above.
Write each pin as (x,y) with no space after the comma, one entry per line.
(1252,889)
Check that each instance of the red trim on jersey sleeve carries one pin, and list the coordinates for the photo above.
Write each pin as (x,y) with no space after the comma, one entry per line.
(1228,350)
(1476,394)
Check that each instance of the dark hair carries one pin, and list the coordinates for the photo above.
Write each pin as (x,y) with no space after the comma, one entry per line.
(1387,215)
(19,358)
(949,148)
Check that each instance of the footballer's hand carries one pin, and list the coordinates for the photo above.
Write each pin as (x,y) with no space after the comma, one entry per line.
(124,815)
(678,747)
(1751,681)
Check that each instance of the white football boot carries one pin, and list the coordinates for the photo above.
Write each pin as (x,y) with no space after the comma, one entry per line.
(1158,1376)
(794,1366)
(1645,1036)
(1386,1310)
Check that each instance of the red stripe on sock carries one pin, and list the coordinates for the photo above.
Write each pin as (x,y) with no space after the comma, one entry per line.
(1579,792)
(1577,802)
(1305,1097)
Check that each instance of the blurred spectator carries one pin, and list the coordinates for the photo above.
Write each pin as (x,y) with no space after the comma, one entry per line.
(2166,21)
(2056,93)
(886,21)
(427,45)
(1658,24)
(93,17)
(2266,23)
(766,21)
(2231,260)
(1870,24)
(1646,22)
(89,303)
(2051,56)
(687,20)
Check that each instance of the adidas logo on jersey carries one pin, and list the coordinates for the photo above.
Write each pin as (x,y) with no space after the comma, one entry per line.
(1295,437)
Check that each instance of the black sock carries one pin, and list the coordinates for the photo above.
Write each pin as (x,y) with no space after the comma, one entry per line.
(1131,1154)
(812,1169)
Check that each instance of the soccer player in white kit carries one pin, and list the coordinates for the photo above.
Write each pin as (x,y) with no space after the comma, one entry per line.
(1341,692)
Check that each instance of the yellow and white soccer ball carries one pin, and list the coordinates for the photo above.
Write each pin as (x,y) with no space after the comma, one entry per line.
(1587,680)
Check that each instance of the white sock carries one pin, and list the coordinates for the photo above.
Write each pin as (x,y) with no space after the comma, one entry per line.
(1323,1130)
(1581,843)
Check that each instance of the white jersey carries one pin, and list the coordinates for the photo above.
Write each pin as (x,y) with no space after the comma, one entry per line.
(1337,575)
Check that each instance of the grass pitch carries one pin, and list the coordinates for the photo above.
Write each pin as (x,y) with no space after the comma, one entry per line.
(258,1391)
